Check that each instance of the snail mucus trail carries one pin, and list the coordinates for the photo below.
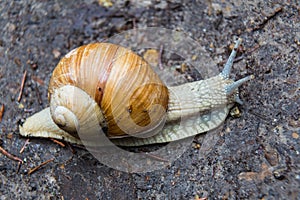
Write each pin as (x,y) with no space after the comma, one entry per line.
(127,98)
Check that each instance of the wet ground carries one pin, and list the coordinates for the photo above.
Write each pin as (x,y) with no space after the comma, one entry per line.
(255,156)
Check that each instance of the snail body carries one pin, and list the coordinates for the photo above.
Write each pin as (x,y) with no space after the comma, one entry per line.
(132,105)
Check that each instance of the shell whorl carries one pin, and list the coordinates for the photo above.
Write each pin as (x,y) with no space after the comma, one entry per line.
(71,109)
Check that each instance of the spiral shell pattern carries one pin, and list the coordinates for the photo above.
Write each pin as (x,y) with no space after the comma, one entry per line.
(124,86)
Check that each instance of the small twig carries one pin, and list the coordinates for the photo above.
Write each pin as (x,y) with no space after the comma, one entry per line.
(210,7)
(253,49)
(234,61)
(22,86)
(38,80)
(57,142)
(155,157)
(1,112)
(26,110)
(160,57)
(19,166)
(10,156)
(25,144)
(80,146)
(38,95)
(266,19)
(71,148)
(39,166)
(68,177)
(68,161)
(238,59)
(134,27)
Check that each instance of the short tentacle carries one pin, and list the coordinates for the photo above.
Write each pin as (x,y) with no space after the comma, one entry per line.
(233,86)
(237,99)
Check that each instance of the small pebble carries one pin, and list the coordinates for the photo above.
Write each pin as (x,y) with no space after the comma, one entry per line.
(295,135)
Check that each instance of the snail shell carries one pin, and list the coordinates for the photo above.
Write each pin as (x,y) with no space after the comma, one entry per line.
(128,99)
(120,82)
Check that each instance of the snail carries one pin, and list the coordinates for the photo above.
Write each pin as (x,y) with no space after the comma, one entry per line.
(132,105)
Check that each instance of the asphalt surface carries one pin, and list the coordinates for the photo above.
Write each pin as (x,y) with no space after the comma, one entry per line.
(254,156)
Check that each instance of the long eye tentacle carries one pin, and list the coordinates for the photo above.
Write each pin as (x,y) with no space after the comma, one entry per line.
(227,68)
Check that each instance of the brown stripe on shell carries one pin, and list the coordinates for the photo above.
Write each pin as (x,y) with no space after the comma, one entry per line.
(86,67)
(106,65)
(131,91)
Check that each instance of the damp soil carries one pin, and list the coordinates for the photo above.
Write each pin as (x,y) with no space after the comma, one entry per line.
(254,156)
